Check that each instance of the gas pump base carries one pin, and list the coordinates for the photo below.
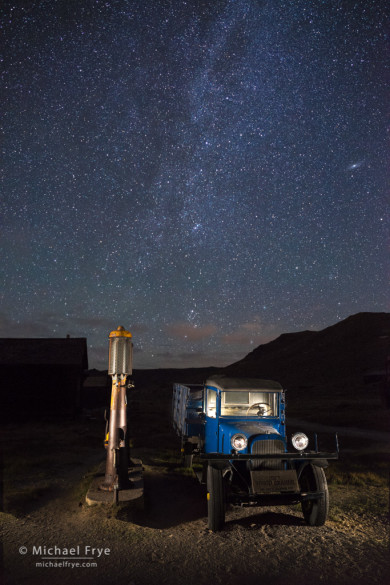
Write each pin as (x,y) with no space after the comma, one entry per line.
(133,496)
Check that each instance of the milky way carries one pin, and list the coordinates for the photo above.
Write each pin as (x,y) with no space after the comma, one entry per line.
(208,174)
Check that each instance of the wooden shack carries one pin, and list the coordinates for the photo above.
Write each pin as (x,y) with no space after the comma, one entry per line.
(96,390)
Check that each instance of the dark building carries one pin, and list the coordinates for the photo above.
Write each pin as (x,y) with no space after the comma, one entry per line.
(41,377)
(96,390)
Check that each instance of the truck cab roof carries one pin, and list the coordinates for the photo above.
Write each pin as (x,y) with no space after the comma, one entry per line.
(226,383)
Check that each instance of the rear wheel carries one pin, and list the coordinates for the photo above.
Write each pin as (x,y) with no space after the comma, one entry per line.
(315,512)
(188,460)
(187,454)
(215,499)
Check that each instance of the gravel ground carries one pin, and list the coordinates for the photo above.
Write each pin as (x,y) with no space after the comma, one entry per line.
(169,543)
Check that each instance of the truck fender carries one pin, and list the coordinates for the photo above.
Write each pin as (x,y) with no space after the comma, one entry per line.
(321,463)
(317,462)
(217,464)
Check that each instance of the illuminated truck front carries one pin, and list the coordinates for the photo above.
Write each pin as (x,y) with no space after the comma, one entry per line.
(248,460)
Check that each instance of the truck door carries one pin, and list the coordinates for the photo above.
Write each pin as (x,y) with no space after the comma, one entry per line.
(212,418)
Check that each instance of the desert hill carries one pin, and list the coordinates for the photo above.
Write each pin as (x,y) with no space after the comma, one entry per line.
(341,353)
(326,372)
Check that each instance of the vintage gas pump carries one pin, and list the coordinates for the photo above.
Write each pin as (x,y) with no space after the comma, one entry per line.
(117,443)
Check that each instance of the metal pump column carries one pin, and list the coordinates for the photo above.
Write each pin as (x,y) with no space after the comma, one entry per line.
(120,366)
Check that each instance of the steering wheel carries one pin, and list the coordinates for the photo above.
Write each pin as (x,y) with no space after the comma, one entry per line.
(267,409)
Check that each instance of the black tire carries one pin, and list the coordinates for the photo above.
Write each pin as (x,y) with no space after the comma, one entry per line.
(215,499)
(315,512)
(188,459)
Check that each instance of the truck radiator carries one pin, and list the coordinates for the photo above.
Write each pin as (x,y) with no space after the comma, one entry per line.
(267,447)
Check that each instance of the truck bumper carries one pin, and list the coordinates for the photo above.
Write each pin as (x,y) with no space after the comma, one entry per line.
(292,457)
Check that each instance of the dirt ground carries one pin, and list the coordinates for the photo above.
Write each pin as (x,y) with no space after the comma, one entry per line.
(169,542)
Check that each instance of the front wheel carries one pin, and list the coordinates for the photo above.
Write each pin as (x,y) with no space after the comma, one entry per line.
(215,499)
(315,512)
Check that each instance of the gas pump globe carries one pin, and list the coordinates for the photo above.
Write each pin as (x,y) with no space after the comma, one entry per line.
(120,358)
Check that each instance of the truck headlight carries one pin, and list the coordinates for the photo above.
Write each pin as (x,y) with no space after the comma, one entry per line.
(239,442)
(300,441)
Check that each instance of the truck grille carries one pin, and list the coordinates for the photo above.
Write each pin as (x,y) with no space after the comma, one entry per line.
(267,447)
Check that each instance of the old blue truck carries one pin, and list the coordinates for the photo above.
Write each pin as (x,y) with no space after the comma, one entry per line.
(237,427)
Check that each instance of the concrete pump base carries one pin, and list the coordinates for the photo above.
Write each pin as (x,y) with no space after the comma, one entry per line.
(134,496)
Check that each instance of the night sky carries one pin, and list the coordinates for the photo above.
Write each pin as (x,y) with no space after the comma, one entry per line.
(207,173)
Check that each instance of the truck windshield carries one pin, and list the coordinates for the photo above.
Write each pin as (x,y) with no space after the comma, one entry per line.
(247,403)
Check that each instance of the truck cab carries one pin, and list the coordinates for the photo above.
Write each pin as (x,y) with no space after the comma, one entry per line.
(241,413)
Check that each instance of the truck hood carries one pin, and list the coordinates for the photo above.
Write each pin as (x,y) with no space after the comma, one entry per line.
(249,428)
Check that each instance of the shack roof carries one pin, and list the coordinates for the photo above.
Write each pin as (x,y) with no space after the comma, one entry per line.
(237,384)
(44,351)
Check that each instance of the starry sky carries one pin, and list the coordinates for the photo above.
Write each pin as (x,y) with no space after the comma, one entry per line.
(208,174)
